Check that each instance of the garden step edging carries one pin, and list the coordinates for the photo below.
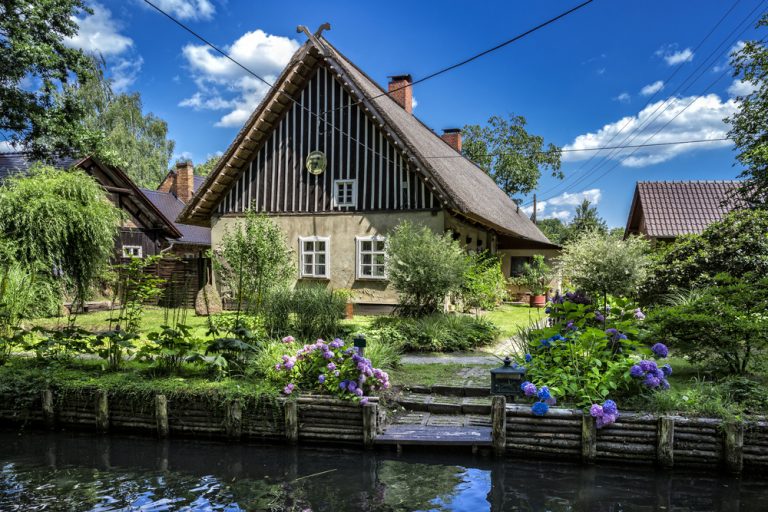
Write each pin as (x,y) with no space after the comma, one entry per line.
(438,404)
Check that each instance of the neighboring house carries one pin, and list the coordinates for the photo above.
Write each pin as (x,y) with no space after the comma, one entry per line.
(384,166)
(148,227)
(664,210)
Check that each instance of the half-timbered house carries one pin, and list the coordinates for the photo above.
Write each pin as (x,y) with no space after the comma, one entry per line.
(382,166)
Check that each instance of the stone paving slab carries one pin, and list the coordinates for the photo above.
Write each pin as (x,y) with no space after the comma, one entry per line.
(437,404)
(434,435)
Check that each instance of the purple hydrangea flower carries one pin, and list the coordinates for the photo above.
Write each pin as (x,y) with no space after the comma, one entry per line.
(338,342)
(667,369)
(327,355)
(288,339)
(289,389)
(529,389)
(605,419)
(660,350)
(664,384)
(331,366)
(596,411)
(364,400)
(648,365)
(651,381)
(636,371)
(351,386)
(336,373)
(639,314)
(609,407)
(599,316)
(539,408)
(358,392)
(551,401)
(321,378)
(343,384)
(543,393)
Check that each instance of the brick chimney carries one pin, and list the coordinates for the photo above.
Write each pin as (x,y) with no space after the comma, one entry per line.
(453,137)
(185,181)
(401,91)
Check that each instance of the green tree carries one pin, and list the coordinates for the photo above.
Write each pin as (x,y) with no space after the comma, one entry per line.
(205,168)
(600,265)
(749,125)
(554,229)
(61,221)
(424,267)
(736,245)
(38,75)
(253,259)
(586,219)
(509,154)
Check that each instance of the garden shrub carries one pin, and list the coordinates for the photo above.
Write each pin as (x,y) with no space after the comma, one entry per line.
(308,311)
(724,325)
(424,267)
(332,368)
(535,277)
(484,282)
(253,259)
(436,333)
(737,244)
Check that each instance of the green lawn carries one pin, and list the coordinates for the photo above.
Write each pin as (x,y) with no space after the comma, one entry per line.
(449,374)
(510,317)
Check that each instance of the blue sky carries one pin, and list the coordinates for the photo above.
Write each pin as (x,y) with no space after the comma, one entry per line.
(578,81)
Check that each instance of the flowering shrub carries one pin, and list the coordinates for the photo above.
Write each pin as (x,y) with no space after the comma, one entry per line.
(330,368)
(585,355)
(604,414)
(544,396)
(649,373)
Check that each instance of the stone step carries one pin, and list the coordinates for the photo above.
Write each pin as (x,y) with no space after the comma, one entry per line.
(439,404)
(432,435)
(444,390)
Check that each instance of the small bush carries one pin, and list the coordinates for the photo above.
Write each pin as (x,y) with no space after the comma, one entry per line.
(436,333)
(484,282)
(310,312)
(724,326)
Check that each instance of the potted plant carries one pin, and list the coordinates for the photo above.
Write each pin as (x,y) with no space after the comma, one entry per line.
(536,277)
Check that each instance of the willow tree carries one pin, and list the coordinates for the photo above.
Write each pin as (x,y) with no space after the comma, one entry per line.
(61,222)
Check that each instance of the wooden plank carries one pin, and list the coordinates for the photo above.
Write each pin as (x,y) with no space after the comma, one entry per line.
(425,435)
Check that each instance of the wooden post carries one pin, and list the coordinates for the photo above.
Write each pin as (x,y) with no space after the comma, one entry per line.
(102,411)
(370,420)
(665,442)
(588,439)
(234,424)
(49,415)
(292,421)
(161,415)
(734,447)
(499,424)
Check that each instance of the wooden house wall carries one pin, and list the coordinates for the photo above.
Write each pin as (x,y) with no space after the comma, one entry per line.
(276,180)
(150,240)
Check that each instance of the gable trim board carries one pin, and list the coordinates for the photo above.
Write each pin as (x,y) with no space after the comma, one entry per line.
(456,184)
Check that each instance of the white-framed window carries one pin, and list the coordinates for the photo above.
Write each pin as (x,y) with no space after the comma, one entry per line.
(132,251)
(371,257)
(315,256)
(345,192)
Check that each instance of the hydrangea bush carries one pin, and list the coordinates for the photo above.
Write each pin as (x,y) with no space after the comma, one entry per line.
(330,368)
(587,355)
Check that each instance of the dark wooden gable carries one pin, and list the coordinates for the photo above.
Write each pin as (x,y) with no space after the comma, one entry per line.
(276,179)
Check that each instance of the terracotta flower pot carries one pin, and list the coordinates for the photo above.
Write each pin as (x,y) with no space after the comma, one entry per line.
(538,301)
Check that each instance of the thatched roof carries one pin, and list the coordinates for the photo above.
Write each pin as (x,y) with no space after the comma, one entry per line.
(465,189)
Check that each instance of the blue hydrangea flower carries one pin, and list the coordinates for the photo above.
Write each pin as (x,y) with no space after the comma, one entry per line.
(651,381)
(664,384)
(539,408)
(528,358)
(609,407)
(667,369)
(648,365)
(636,371)
(544,393)
(660,350)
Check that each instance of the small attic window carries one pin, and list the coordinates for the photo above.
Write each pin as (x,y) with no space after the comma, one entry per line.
(345,192)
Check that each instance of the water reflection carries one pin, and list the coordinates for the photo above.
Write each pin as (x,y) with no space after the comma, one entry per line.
(79,472)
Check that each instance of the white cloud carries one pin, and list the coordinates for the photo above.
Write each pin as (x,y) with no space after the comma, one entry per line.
(414,103)
(224,85)
(737,47)
(624,97)
(703,119)
(741,88)
(565,204)
(188,9)
(652,88)
(125,72)
(99,33)
(673,56)
(7,147)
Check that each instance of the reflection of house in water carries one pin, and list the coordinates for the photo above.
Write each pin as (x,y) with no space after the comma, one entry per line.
(149,225)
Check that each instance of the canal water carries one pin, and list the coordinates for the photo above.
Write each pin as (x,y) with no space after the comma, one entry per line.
(68,471)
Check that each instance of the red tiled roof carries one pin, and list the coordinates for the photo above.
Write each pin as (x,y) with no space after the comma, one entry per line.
(674,208)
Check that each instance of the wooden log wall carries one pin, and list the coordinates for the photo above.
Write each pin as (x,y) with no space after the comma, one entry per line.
(664,441)
(317,419)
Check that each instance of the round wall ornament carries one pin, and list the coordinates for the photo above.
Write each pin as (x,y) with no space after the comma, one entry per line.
(316,162)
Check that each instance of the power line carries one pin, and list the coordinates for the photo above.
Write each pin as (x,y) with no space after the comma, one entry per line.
(478,55)
(637,131)
(574,150)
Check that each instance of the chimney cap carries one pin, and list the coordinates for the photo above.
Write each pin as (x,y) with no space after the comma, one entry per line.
(400,78)
(183,163)
(451,130)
